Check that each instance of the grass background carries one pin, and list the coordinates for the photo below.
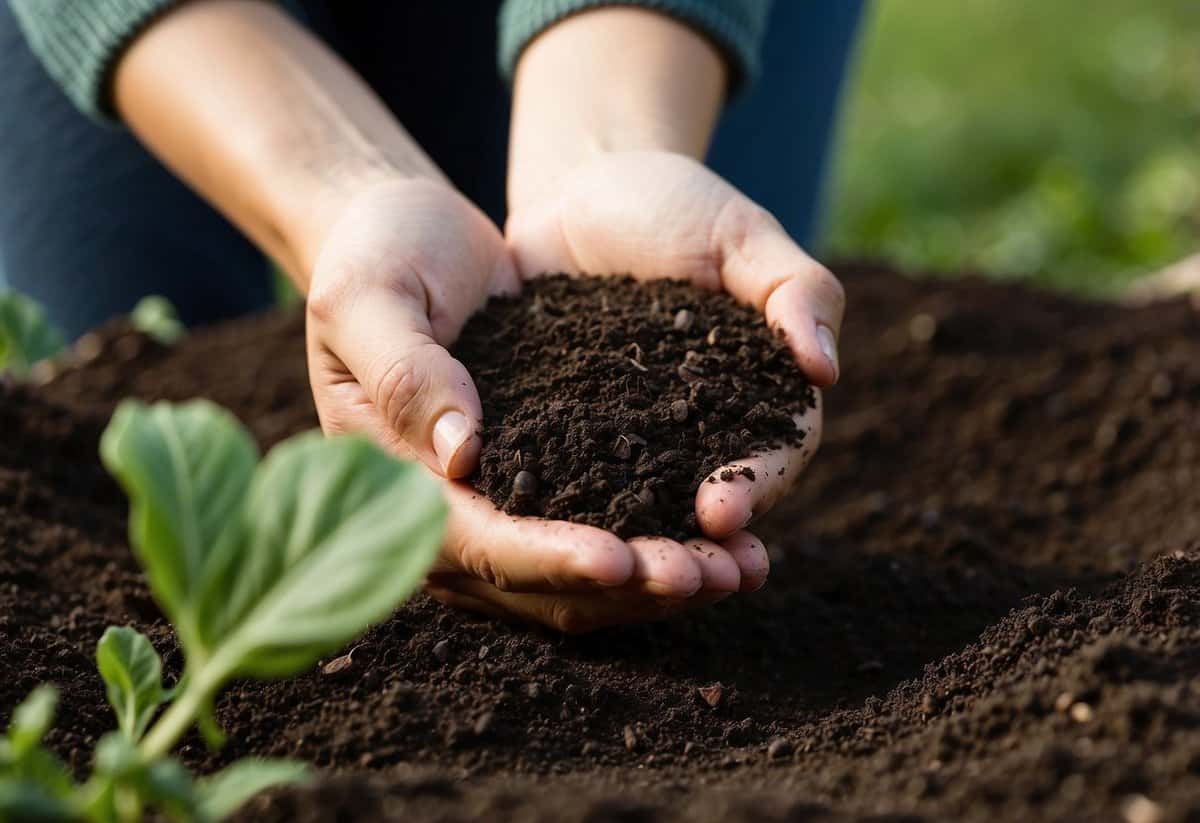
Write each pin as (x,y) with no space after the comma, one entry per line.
(1052,140)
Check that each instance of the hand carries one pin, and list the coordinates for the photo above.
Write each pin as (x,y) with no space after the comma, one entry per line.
(655,214)
(400,271)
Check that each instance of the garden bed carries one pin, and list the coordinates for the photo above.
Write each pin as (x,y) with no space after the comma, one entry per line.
(984,600)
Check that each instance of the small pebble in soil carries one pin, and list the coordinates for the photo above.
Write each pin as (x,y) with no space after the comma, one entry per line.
(525,484)
(679,411)
(1082,713)
(441,650)
(684,319)
(1063,703)
(779,749)
(483,723)
(712,695)
(1138,808)
(337,665)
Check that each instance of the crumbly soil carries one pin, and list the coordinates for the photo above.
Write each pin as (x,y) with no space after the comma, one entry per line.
(984,602)
(609,404)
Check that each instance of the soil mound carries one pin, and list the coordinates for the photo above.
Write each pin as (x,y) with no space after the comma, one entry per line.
(982,604)
(608,403)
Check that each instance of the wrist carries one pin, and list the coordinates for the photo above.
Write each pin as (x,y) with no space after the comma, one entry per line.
(314,201)
(573,104)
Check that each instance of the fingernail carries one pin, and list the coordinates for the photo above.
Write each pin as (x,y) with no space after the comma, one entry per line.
(828,346)
(450,434)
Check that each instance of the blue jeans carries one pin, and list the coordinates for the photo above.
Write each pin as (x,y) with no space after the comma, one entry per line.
(90,222)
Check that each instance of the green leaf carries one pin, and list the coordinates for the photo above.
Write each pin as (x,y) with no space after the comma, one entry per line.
(186,470)
(224,792)
(169,786)
(338,534)
(23,759)
(26,336)
(156,317)
(31,720)
(132,672)
(117,758)
(262,573)
(22,800)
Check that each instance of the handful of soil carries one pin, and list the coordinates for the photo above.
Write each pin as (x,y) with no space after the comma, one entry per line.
(608,401)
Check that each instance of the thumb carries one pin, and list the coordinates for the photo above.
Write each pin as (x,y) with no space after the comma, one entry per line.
(761,265)
(415,392)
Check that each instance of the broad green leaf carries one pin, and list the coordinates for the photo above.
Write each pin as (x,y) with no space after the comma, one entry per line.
(338,534)
(31,719)
(123,782)
(132,672)
(224,792)
(186,469)
(117,758)
(26,336)
(169,786)
(22,800)
(23,759)
(156,317)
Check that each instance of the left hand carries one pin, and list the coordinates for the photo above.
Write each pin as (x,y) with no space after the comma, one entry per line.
(656,214)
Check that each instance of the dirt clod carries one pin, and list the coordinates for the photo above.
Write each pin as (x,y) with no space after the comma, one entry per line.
(712,695)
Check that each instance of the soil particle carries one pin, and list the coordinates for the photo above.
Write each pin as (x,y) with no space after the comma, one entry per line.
(712,695)
(617,412)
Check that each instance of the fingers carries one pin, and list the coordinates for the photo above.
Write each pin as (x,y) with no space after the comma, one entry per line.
(753,562)
(528,554)
(763,266)
(734,494)
(569,613)
(665,568)
(718,568)
(420,394)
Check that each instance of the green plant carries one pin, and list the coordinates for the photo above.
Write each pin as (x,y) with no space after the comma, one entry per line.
(261,570)
(155,316)
(26,336)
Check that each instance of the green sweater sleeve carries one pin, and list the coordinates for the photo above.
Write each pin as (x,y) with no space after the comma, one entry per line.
(79,41)
(735,26)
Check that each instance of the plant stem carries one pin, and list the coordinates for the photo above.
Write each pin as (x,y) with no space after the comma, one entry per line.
(180,715)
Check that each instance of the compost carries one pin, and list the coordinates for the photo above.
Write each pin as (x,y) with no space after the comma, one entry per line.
(984,601)
(609,403)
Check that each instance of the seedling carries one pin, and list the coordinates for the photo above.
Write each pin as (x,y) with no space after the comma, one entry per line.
(155,317)
(26,336)
(261,568)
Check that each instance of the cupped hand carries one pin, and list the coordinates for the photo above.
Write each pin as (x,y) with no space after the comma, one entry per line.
(655,214)
(399,273)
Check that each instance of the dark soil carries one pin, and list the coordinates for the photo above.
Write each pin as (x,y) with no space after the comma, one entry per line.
(984,602)
(609,404)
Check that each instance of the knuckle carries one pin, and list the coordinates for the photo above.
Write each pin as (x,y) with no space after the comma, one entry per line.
(480,564)
(567,619)
(325,299)
(398,391)
(830,289)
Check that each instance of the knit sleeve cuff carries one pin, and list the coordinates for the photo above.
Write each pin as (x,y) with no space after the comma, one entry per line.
(79,42)
(735,26)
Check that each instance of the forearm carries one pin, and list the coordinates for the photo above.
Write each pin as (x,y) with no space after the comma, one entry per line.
(572,100)
(263,120)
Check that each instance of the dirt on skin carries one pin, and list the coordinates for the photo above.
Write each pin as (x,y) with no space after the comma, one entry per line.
(983,602)
(610,403)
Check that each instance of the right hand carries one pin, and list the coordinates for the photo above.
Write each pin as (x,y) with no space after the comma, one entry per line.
(402,268)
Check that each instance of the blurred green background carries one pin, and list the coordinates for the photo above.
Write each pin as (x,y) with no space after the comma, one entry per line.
(1053,140)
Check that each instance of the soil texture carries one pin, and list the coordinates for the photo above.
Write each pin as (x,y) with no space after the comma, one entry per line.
(984,600)
(609,403)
